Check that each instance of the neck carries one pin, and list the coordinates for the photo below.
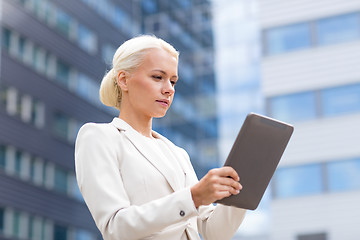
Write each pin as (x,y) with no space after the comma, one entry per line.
(141,124)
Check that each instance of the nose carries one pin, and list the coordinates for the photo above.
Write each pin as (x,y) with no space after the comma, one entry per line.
(168,88)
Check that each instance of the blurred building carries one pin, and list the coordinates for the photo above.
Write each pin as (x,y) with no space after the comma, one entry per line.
(53,56)
(237,64)
(311,78)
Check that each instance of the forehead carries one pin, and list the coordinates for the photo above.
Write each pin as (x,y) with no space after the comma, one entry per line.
(160,58)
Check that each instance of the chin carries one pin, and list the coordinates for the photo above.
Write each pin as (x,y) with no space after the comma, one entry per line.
(159,115)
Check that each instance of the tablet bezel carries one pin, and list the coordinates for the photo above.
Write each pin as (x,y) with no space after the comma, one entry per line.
(255,156)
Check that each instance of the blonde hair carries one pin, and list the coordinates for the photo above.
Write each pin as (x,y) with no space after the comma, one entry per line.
(128,57)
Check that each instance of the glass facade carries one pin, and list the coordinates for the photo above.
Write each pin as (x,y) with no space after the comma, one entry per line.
(338,29)
(61,180)
(319,32)
(2,156)
(63,70)
(327,102)
(294,107)
(1,220)
(192,119)
(44,62)
(288,38)
(318,178)
(341,100)
(60,232)
(298,181)
(39,172)
(344,175)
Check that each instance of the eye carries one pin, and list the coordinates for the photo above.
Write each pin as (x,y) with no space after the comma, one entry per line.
(157,77)
(173,83)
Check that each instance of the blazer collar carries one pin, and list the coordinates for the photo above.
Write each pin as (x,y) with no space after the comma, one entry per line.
(143,147)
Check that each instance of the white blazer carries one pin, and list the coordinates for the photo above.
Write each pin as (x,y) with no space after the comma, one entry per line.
(133,195)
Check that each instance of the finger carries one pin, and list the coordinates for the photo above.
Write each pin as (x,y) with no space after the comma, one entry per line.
(229,172)
(230,191)
(226,188)
(230,182)
(223,194)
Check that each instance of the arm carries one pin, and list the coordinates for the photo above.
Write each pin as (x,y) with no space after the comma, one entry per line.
(100,181)
(220,222)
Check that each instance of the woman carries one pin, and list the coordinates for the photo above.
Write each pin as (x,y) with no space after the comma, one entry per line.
(135,182)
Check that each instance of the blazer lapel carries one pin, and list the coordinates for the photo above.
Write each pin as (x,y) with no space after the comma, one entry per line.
(147,151)
(178,156)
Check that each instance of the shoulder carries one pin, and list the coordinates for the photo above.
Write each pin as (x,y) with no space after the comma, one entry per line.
(97,132)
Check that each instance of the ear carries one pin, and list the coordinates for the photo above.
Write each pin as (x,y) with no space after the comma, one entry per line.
(122,80)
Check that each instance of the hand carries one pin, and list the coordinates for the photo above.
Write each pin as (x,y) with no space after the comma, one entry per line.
(215,185)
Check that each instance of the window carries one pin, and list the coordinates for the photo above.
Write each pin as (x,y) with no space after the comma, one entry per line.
(60,232)
(187,72)
(61,180)
(48,175)
(83,235)
(338,29)
(63,22)
(50,65)
(33,169)
(75,191)
(12,101)
(88,88)
(18,162)
(115,15)
(294,107)
(16,224)
(21,48)
(49,13)
(123,21)
(298,181)
(207,85)
(62,73)
(2,156)
(38,8)
(37,171)
(107,53)
(315,236)
(343,175)
(38,59)
(2,216)
(150,6)
(31,227)
(340,100)
(3,96)
(287,38)
(36,228)
(37,113)
(61,125)
(204,60)
(86,39)
(6,38)
(185,4)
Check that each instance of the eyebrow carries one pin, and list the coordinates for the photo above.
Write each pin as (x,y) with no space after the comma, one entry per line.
(163,72)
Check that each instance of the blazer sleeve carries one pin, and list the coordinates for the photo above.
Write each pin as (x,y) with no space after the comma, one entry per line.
(216,222)
(100,182)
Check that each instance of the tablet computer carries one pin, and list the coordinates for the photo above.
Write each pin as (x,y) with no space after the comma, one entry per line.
(255,155)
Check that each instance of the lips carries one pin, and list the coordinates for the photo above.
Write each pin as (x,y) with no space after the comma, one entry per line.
(163,102)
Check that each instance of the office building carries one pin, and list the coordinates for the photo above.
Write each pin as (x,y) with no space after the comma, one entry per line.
(237,64)
(311,78)
(54,54)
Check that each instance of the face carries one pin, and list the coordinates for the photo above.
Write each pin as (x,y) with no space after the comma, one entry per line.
(150,88)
